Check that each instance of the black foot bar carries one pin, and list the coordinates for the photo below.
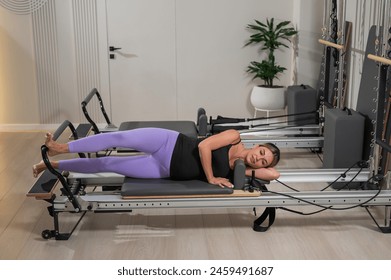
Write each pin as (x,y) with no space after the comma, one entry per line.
(66,189)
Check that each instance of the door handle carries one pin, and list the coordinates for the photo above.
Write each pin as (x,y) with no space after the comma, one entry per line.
(112,49)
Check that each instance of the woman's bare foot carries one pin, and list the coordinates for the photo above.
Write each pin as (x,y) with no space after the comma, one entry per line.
(38,168)
(54,147)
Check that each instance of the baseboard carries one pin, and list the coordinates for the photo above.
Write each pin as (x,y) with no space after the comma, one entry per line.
(27,127)
(35,127)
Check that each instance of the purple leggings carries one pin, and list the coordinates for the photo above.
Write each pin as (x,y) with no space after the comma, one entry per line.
(157,144)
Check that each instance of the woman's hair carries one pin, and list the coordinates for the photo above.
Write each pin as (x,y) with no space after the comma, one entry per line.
(275,151)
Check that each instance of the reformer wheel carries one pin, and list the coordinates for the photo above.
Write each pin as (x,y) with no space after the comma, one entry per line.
(46,234)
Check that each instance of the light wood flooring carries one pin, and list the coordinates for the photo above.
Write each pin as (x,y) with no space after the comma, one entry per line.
(175,233)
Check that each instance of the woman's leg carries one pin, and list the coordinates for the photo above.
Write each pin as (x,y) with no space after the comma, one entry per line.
(39,167)
(147,140)
(159,143)
(145,166)
(132,166)
(54,147)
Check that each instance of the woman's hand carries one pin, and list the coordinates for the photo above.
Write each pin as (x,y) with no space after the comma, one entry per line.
(222,182)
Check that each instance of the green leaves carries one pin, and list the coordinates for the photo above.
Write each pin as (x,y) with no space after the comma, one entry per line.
(265,70)
(271,37)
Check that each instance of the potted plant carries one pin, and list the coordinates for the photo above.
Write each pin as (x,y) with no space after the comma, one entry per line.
(272,36)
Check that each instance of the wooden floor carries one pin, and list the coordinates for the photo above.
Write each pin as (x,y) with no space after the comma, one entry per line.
(175,234)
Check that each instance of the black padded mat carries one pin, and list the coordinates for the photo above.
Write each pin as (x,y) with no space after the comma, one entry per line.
(187,128)
(167,187)
(44,185)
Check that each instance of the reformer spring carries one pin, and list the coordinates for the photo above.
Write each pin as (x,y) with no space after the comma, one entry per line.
(222,120)
(225,120)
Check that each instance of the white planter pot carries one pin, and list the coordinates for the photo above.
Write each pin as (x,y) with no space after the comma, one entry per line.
(268,99)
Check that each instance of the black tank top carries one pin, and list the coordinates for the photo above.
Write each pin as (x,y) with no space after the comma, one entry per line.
(186,162)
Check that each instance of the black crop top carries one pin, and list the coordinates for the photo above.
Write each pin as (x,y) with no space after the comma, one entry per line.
(186,162)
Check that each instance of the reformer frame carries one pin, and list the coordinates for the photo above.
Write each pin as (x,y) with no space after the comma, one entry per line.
(74,196)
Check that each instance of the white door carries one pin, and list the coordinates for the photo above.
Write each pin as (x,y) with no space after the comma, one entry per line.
(143,72)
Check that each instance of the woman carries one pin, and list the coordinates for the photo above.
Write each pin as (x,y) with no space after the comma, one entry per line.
(168,154)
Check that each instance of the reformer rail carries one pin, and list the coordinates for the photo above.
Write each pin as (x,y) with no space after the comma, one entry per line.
(114,202)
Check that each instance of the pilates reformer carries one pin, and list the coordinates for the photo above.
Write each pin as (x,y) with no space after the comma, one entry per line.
(78,193)
(75,196)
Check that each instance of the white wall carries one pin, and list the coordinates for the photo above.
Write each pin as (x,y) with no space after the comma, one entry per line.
(362,14)
(308,17)
(18,91)
(212,59)
(19,102)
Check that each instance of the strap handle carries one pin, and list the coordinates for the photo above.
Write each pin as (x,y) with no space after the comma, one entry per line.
(268,213)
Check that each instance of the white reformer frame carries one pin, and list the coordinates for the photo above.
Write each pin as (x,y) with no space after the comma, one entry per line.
(75,197)
(112,201)
(99,201)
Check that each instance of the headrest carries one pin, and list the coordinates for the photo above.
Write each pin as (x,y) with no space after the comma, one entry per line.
(239,179)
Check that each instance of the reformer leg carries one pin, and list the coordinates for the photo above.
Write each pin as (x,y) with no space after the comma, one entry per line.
(387,227)
(48,234)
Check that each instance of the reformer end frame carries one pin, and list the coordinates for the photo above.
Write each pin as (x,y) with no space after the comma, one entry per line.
(110,126)
(44,152)
(44,186)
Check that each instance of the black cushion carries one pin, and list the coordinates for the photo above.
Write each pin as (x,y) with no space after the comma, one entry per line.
(187,128)
(44,185)
(162,187)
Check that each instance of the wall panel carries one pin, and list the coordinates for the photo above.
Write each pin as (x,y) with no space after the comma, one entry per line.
(46,59)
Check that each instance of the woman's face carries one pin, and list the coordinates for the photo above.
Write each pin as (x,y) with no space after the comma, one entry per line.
(259,157)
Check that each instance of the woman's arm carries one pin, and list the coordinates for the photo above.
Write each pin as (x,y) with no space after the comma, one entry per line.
(268,173)
(212,143)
